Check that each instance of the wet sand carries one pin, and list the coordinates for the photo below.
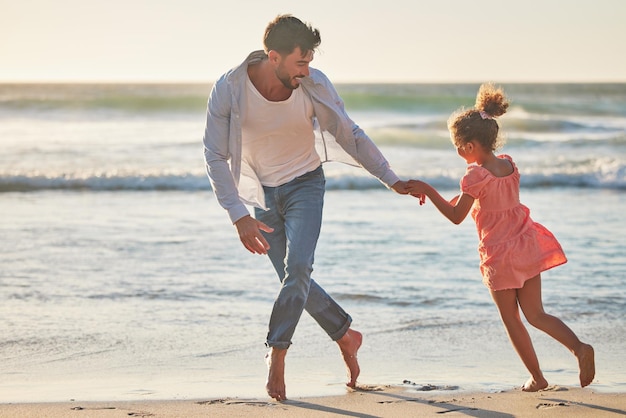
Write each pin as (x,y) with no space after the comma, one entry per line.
(365,401)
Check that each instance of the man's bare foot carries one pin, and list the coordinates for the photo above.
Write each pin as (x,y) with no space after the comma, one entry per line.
(533,385)
(586,364)
(275,360)
(349,344)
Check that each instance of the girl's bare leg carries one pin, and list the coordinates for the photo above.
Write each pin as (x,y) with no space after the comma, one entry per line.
(530,301)
(506,301)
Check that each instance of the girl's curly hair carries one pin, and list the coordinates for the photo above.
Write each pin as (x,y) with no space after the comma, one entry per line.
(479,123)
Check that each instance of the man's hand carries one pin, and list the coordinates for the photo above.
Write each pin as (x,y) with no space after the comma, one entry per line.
(249,230)
(400,187)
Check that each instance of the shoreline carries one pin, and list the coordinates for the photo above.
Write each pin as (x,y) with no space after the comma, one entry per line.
(366,401)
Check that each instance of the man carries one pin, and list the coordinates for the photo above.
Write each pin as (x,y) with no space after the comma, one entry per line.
(271,122)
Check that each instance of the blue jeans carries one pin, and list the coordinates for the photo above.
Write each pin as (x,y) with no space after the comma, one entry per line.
(295,213)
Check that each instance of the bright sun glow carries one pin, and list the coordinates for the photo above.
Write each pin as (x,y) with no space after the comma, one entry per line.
(196,40)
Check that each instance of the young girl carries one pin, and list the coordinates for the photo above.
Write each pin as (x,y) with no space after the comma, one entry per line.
(513,249)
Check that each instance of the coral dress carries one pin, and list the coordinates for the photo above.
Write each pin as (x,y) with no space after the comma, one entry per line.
(513,248)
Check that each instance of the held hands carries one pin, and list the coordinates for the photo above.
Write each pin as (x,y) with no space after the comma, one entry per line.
(399,187)
(409,187)
(249,230)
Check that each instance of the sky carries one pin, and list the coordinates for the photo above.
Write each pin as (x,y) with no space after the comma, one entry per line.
(362,40)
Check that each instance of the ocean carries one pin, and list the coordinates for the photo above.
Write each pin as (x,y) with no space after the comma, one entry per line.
(121,277)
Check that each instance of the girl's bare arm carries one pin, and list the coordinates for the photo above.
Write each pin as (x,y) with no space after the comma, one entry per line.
(456,210)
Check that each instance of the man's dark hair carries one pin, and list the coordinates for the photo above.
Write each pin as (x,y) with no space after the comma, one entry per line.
(285,33)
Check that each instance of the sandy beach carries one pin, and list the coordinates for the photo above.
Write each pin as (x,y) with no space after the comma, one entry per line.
(366,401)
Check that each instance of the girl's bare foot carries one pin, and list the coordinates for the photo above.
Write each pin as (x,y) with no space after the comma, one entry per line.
(275,386)
(586,364)
(349,345)
(533,385)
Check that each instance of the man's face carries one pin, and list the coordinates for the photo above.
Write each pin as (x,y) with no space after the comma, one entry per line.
(291,68)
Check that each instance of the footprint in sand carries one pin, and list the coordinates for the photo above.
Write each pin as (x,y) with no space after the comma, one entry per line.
(550,405)
(369,388)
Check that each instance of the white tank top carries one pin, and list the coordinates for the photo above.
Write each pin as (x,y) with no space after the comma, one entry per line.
(278,137)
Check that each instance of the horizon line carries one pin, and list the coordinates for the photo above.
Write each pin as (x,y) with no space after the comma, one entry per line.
(192,81)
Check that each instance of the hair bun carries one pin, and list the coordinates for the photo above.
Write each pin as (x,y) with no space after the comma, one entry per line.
(491,101)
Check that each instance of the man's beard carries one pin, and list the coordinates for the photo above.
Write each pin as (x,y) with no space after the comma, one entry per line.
(286,80)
